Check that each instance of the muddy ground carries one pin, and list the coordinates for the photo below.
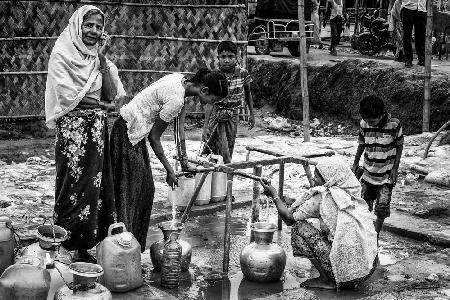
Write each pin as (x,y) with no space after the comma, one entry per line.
(409,269)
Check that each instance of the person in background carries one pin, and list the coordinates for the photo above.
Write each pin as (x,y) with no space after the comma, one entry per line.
(396,29)
(316,21)
(147,116)
(81,86)
(222,118)
(335,14)
(381,141)
(344,248)
(414,14)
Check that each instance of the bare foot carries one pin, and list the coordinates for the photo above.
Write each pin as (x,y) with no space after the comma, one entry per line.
(318,283)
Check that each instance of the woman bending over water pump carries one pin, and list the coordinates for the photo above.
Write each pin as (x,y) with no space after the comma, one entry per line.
(147,116)
(344,250)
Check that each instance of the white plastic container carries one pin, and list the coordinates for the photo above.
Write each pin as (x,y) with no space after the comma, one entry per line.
(218,182)
(204,196)
(182,193)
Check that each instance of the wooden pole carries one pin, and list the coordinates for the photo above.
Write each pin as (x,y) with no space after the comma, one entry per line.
(303,71)
(427,79)
(226,244)
(280,192)
(308,174)
(257,171)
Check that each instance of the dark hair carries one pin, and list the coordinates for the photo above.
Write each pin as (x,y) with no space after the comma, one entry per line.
(93,12)
(216,81)
(371,107)
(227,46)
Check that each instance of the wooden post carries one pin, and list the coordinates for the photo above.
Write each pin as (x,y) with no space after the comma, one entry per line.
(257,171)
(226,244)
(427,79)
(303,70)
(308,174)
(280,192)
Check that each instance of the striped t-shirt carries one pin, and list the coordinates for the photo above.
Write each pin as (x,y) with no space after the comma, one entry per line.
(236,94)
(381,144)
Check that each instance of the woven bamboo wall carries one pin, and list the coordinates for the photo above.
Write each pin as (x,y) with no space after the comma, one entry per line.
(150,38)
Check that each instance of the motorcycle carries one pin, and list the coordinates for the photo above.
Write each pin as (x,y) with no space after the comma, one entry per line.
(375,36)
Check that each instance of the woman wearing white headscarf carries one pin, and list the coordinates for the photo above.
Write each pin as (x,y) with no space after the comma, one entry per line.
(81,86)
(344,249)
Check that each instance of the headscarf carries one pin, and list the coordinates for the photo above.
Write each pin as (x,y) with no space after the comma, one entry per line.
(74,70)
(346,214)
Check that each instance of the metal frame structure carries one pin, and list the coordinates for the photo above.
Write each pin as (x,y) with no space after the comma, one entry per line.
(233,169)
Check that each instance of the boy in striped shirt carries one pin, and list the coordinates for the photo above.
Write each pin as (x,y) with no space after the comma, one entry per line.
(222,118)
(381,141)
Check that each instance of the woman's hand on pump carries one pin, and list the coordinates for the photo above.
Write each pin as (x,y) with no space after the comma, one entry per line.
(269,190)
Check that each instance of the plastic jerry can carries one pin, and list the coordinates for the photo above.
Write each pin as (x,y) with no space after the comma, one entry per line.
(120,257)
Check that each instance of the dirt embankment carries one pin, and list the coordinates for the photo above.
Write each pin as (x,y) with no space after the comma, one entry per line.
(337,89)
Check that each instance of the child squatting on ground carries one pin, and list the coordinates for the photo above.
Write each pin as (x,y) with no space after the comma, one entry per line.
(381,141)
(222,118)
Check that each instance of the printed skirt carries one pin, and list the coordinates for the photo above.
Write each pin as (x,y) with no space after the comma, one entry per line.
(84,199)
(134,188)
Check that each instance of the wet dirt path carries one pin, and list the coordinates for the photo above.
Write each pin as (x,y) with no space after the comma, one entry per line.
(204,280)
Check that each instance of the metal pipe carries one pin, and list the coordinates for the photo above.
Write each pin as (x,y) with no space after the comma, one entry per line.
(226,247)
(257,170)
(209,167)
(277,154)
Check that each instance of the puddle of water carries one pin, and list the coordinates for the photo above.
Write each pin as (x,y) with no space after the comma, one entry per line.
(386,259)
(204,281)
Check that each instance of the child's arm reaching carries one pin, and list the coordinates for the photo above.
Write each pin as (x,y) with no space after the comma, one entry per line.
(358,154)
(249,101)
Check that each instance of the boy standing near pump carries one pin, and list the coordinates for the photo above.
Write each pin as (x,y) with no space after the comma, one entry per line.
(381,141)
(222,118)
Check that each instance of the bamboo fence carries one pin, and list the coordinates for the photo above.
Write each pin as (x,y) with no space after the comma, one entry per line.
(149,40)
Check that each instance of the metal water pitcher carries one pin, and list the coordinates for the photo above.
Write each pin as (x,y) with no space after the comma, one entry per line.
(84,285)
(262,260)
(55,257)
(6,243)
(27,279)
(157,248)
